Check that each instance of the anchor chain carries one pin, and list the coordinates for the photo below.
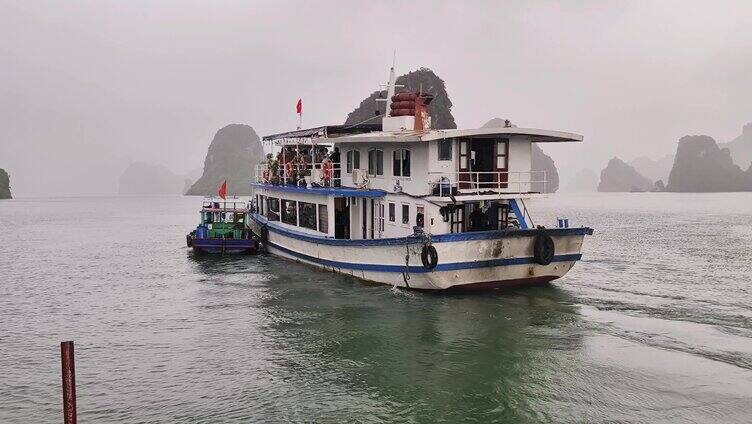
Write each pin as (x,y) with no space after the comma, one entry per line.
(406,272)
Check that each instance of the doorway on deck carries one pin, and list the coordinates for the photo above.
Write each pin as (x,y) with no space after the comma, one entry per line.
(483,163)
(341,218)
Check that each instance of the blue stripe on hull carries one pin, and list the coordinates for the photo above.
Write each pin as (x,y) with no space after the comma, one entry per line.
(415,239)
(224,245)
(420,269)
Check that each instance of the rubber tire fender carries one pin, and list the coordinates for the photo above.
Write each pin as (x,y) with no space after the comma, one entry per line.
(189,240)
(429,256)
(543,249)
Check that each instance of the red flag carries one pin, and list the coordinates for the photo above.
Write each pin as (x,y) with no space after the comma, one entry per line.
(223,190)
(299,107)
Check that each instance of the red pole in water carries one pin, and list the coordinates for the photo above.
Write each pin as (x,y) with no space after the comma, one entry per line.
(69,382)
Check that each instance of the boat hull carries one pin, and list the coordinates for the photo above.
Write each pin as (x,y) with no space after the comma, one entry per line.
(466,261)
(224,246)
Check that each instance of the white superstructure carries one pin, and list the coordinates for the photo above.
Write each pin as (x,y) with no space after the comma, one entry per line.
(411,206)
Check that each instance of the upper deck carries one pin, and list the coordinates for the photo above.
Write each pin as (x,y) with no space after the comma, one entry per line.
(482,163)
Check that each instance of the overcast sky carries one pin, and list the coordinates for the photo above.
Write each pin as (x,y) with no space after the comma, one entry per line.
(88,87)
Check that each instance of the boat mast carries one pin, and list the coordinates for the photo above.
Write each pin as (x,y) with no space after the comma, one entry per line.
(391,85)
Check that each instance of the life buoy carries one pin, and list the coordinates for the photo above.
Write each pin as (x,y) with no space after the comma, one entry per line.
(326,167)
(266,175)
(543,249)
(429,256)
(288,170)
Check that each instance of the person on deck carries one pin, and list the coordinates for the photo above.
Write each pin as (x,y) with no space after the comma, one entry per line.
(334,157)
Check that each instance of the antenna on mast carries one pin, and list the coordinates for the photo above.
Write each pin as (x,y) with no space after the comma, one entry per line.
(391,85)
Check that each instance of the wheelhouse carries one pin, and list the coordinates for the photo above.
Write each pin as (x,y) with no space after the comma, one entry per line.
(220,218)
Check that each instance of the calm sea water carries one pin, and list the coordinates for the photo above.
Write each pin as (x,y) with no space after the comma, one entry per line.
(654,325)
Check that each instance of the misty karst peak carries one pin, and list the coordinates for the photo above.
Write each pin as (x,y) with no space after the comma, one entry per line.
(701,166)
(233,153)
(619,176)
(4,185)
(423,79)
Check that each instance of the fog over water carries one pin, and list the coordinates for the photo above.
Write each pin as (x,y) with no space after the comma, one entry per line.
(88,87)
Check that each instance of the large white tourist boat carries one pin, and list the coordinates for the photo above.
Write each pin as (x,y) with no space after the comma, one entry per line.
(402,204)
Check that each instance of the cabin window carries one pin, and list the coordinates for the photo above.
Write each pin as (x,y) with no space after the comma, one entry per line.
(406,214)
(501,154)
(420,215)
(290,212)
(307,212)
(464,157)
(401,163)
(272,209)
(445,149)
(353,160)
(392,212)
(457,219)
(323,219)
(375,162)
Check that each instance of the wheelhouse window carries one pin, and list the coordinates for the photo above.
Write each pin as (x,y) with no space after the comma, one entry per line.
(406,214)
(307,213)
(392,212)
(375,162)
(353,160)
(502,153)
(290,212)
(401,163)
(323,219)
(445,149)
(272,209)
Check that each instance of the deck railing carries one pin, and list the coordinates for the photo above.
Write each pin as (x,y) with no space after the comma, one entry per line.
(296,172)
(472,182)
(223,205)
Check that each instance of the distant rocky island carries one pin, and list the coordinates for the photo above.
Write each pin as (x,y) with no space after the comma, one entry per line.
(4,185)
(741,147)
(232,156)
(701,166)
(619,176)
(149,179)
(654,169)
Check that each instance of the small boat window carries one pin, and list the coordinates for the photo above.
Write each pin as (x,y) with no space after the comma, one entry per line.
(375,162)
(405,214)
(307,215)
(419,216)
(392,212)
(353,160)
(445,149)
(323,219)
(401,163)
(290,212)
